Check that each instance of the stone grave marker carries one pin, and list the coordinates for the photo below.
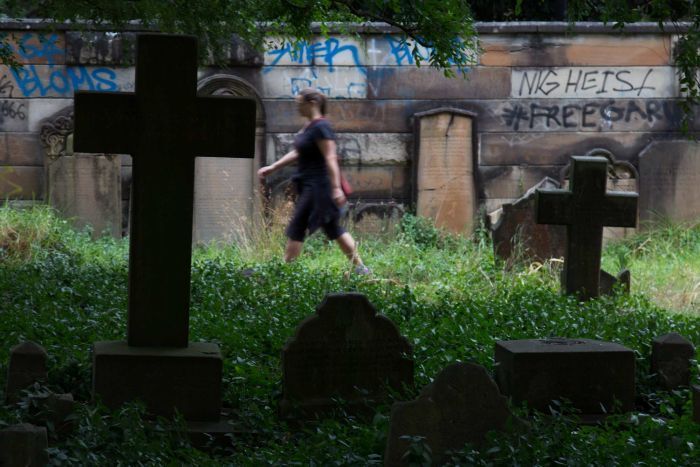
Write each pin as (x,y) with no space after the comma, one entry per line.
(669,181)
(460,406)
(608,282)
(585,209)
(622,177)
(27,366)
(444,170)
(517,236)
(593,375)
(163,125)
(347,351)
(695,389)
(85,188)
(24,445)
(670,360)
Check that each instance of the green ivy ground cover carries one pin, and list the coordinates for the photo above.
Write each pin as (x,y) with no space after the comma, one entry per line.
(447,295)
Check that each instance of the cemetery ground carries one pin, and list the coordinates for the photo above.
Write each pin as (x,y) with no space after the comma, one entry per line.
(451,300)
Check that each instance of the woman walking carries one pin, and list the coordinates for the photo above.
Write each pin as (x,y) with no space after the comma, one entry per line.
(320,195)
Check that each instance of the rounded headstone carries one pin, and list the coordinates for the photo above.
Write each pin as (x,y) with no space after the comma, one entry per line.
(460,406)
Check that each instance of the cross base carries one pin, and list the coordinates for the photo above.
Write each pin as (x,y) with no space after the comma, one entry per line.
(164,378)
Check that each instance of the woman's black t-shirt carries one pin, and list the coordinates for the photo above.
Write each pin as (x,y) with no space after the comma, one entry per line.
(311,163)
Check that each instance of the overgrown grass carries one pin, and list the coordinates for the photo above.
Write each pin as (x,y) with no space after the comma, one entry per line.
(446,294)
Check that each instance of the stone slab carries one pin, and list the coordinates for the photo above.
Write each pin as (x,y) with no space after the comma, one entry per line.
(187,379)
(460,406)
(24,445)
(594,82)
(695,389)
(671,356)
(223,199)
(555,148)
(575,50)
(27,366)
(23,149)
(445,185)
(495,115)
(669,181)
(100,48)
(340,82)
(593,375)
(21,182)
(518,237)
(427,83)
(345,350)
(364,149)
(87,189)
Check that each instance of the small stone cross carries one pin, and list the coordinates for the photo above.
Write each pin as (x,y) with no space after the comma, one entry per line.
(163,125)
(585,210)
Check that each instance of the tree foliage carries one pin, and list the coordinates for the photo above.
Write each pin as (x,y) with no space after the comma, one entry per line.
(446,26)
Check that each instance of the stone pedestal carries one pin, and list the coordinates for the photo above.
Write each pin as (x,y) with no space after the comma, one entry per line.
(23,445)
(187,379)
(595,376)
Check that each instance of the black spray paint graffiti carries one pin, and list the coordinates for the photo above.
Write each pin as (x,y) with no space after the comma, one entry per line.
(544,82)
(589,114)
(12,110)
(6,86)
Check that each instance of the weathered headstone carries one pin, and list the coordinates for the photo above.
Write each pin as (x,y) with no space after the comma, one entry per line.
(585,210)
(345,350)
(670,360)
(163,125)
(518,237)
(460,406)
(24,445)
(669,181)
(27,366)
(85,188)
(444,169)
(695,389)
(608,282)
(594,375)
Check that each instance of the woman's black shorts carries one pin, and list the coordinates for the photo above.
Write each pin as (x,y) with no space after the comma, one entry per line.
(299,224)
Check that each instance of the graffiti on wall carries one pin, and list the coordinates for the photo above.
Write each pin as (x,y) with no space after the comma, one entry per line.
(582,82)
(588,114)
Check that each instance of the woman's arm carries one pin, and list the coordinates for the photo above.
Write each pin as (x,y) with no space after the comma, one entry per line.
(327,147)
(287,159)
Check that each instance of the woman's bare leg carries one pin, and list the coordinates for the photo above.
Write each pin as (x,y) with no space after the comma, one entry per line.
(293,250)
(347,244)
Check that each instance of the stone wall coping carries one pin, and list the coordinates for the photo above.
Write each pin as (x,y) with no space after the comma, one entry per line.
(484,28)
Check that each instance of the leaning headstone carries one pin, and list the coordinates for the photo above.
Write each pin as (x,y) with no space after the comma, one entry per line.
(518,237)
(594,376)
(669,181)
(445,190)
(163,125)
(24,445)
(585,209)
(460,406)
(27,366)
(671,356)
(608,282)
(85,188)
(345,351)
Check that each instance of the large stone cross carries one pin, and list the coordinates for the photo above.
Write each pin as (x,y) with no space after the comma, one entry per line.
(163,125)
(585,209)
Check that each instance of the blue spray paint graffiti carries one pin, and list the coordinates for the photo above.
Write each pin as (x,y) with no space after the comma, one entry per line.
(316,53)
(31,46)
(63,81)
